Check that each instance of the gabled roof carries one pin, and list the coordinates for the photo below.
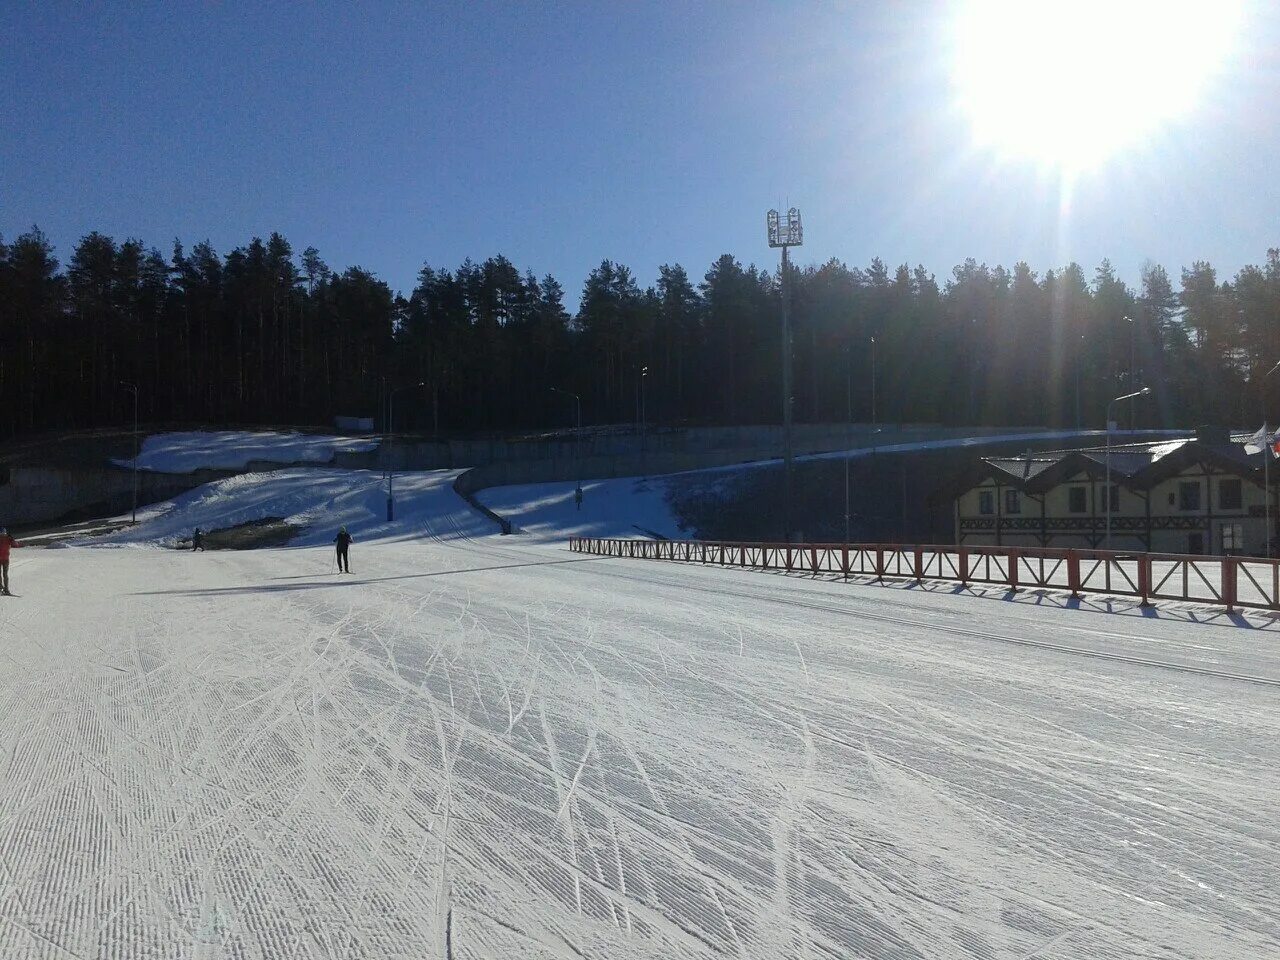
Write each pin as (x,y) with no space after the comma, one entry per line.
(1226,457)
(1138,466)
(1021,468)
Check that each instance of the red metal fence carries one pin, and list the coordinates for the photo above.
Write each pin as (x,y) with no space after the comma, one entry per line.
(1224,581)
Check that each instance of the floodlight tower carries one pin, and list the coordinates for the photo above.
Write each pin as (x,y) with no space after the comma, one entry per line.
(786,233)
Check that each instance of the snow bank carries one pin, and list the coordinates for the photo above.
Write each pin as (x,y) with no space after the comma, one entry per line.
(235,449)
(627,507)
(317,500)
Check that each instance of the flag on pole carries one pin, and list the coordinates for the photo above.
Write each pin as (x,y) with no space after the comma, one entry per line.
(1264,439)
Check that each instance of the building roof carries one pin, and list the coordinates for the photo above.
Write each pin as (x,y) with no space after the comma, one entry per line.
(1136,465)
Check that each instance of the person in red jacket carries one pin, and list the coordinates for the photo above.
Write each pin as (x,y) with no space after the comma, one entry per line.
(6,543)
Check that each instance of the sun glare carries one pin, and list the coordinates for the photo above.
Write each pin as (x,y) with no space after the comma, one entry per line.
(1069,84)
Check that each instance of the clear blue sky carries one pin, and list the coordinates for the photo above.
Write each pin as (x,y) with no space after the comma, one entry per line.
(560,134)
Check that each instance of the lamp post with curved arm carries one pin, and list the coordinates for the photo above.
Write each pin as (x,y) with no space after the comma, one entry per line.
(1266,460)
(133,388)
(391,430)
(577,438)
(1107,488)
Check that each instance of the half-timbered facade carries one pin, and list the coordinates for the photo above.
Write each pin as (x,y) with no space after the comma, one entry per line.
(1204,495)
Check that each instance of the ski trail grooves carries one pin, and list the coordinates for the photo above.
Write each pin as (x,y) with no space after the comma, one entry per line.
(236,757)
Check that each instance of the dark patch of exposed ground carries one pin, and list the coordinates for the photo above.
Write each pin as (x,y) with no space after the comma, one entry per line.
(267,532)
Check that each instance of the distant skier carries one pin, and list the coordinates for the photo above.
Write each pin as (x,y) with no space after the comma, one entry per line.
(197,540)
(577,496)
(343,540)
(6,543)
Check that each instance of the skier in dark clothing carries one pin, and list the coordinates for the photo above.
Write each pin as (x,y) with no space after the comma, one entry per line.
(6,544)
(197,540)
(343,540)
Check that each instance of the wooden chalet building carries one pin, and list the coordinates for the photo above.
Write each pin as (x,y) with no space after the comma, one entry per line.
(1203,495)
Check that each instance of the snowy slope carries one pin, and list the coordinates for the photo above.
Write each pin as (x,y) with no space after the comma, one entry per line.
(235,449)
(639,506)
(494,749)
(953,443)
(320,500)
(627,507)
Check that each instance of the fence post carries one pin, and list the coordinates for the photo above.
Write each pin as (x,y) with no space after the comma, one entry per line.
(1073,573)
(813,558)
(879,563)
(1144,579)
(919,565)
(964,566)
(1229,583)
(844,560)
(1013,571)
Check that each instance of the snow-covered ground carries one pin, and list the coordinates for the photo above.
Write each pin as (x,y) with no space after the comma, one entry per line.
(487,747)
(547,512)
(640,506)
(630,506)
(235,449)
(315,499)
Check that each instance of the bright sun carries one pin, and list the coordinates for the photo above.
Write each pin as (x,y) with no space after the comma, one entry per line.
(1071,82)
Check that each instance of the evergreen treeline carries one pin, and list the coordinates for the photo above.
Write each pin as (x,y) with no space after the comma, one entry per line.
(263,336)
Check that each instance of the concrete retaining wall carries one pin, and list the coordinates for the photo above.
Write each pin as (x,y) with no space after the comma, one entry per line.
(53,494)
(45,494)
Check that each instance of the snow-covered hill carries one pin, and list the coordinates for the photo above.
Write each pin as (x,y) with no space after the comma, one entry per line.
(236,449)
(318,501)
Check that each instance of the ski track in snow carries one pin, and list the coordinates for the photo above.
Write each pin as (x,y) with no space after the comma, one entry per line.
(473,749)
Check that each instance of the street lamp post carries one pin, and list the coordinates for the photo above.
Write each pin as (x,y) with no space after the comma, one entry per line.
(873,383)
(786,234)
(133,388)
(848,429)
(1266,459)
(577,438)
(1079,351)
(644,420)
(391,431)
(1107,488)
(1133,374)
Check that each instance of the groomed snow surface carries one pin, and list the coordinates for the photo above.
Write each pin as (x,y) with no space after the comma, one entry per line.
(318,500)
(489,747)
(236,449)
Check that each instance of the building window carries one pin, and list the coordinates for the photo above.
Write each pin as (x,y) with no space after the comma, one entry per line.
(1113,492)
(1077,499)
(1012,501)
(1232,537)
(1189,495)
(1230,496)
(986,503)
